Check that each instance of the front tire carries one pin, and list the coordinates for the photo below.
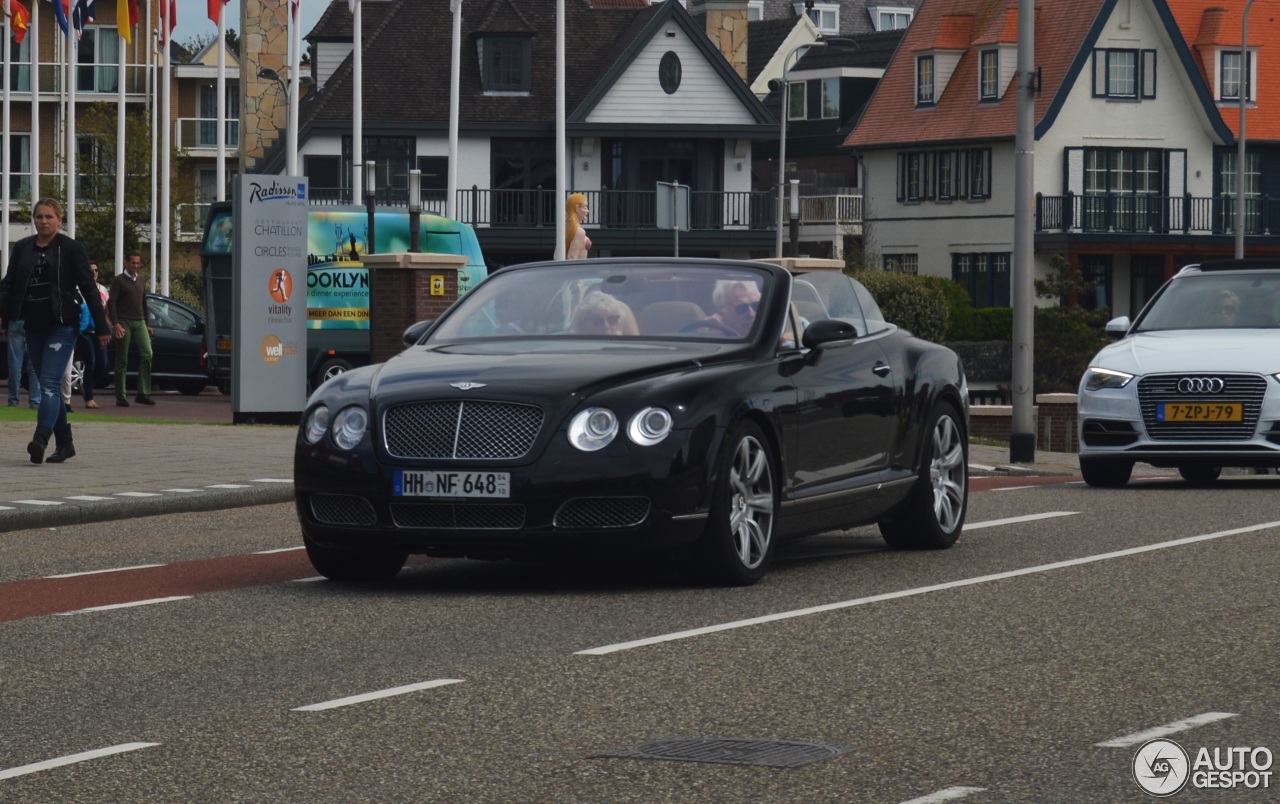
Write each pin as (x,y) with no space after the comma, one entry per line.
(932,515)
(1199,474)
(1106,473)
(353,566)
(738,544)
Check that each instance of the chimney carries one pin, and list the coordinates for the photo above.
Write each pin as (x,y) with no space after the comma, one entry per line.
(726,24)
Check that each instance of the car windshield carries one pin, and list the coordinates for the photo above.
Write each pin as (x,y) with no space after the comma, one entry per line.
(1215,301)
(581,300)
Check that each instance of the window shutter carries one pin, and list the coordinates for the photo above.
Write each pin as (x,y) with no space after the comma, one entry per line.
(1148,76)
(1073,171)
(902,176)
(1099,73)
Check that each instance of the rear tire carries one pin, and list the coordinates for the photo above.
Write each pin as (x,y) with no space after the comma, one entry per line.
(738,543)
(1200,474)
(1106,473)
(353,566)
(190,387)
(932,515)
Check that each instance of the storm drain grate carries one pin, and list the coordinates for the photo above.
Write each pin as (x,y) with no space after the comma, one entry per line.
(766,753)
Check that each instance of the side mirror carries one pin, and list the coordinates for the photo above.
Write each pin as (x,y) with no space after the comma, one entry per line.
(829,333)
(1117,328)
(415,331)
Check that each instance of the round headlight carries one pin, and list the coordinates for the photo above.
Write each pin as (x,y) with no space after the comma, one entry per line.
(349,426)
(649,426)
(317,425)
(593,429)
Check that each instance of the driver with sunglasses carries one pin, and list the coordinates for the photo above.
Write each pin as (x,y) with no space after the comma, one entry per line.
(736,304)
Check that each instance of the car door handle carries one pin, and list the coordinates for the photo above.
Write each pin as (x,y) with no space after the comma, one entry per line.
(881,370)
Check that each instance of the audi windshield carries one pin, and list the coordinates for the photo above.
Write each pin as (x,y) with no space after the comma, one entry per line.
(1215,301)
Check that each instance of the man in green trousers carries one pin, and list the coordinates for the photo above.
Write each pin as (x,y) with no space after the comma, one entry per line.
(127,313)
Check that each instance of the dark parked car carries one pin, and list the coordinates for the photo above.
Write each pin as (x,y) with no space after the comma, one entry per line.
(177,347)
(509,431)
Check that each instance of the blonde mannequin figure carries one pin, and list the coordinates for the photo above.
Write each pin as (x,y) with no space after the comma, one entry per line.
(576,242)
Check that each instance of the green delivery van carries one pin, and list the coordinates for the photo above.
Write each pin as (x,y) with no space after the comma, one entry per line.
(337,282)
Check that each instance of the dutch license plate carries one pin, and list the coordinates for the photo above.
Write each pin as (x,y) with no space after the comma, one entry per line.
(224,344)
(1200,412)
(451,484)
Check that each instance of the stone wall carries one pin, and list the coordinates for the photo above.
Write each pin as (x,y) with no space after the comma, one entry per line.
(263,104)
(1055,416)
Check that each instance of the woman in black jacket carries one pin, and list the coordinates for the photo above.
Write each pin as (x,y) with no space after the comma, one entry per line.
(45,271)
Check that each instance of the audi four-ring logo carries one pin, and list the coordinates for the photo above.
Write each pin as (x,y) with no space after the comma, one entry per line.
(1201,385)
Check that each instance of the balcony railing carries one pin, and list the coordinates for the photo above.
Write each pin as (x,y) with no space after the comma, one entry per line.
(831,209)
(91,79)
(1154,214)
(202,132)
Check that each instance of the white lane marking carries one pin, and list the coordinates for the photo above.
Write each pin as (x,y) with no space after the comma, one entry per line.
(273,480)
(7,508)
(137,494)
(38,502)
(279,550)
(125,605)
(87,497)
(373,696)
(862,601)
(949,794)
(1013,520)
(982,467)
(1013,488)
(227,486)
(1169,728)
(103,571)
(183,491)
(309,580)
(71,759)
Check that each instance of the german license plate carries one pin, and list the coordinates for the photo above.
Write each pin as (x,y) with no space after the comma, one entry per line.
(1200,412)
(451,484)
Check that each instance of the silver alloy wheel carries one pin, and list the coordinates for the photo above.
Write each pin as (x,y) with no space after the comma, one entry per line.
(751,506)
(947,474)
(77,374)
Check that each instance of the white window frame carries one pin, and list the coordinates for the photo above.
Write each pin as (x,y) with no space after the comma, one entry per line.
(830,107)
(894,13)
(797,89)
(931,97)
(19,166)
(1251,78)
(989,75)
(106,43)
(755,10)
(826,16)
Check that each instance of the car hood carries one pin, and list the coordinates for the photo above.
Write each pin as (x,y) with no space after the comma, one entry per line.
(1178,351)
(540,373)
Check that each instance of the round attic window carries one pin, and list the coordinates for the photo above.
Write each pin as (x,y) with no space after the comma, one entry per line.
(669,72)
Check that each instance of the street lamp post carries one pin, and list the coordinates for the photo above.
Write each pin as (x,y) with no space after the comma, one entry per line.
(291,117)
(782,125)
(1244,101)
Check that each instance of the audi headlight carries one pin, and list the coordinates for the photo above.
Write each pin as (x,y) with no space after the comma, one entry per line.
(1096,379)
(649,426)
(349,426)
(593,429)
(317,425)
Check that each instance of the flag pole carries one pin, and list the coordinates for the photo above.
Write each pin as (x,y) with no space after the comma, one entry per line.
(561,178)
(357,117)
(152,101)
(122,170)
(4,214)
(295,86)
(221,173)
(166,146)
(33,31)
(72,80)
(455,71)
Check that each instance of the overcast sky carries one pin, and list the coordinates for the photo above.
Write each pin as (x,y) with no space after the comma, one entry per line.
(193,17)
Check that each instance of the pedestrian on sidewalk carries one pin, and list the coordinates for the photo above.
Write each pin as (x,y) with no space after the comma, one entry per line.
(45,272)
(127,311)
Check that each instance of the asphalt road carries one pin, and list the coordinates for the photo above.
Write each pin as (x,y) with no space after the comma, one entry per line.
(988,673)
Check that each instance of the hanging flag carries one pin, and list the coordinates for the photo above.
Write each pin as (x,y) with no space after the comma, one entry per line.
(293,9)
(215,10)
(60,11)
(168,19)
(351,4)
(126,18)
(82,13)
(19,21)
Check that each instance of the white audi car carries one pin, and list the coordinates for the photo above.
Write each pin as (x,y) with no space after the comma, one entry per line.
(1193,383)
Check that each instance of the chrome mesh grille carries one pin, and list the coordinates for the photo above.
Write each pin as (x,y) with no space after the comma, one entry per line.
(1247,389)
(450,516)
(343,509)
(462,429)
(587,513)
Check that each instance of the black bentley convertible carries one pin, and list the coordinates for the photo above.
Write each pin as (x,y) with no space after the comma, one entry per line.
(707,408)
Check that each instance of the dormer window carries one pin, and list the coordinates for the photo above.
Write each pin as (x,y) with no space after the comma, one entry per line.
(989,75)
(826,16)
(924,81)
(506,64)
(890,18)
(1124,74)
(1231,77)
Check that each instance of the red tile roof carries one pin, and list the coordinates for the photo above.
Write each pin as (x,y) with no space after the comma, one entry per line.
(1210,24)
(892,118)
